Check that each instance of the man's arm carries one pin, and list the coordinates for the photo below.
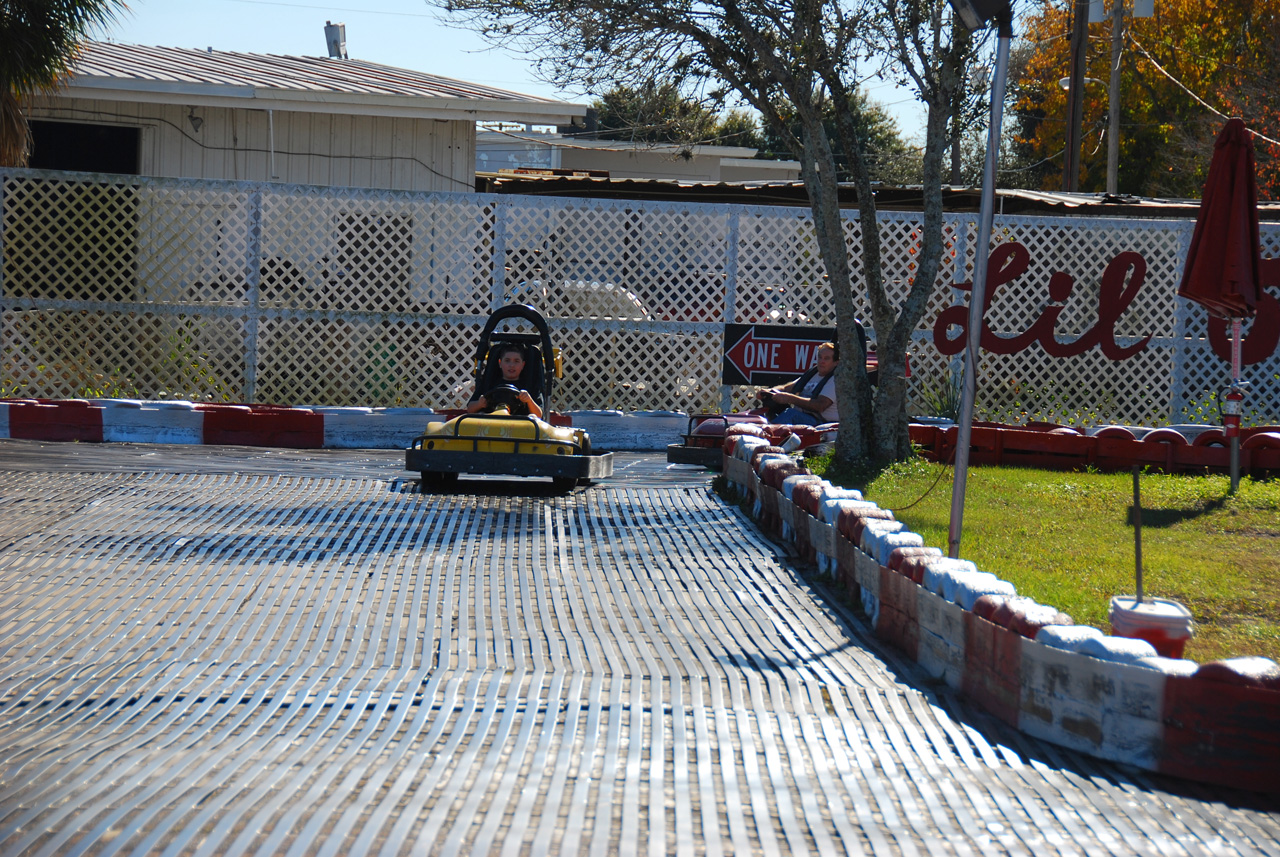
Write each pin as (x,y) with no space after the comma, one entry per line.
(813,406)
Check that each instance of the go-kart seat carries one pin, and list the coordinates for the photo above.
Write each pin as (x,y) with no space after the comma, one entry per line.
(531,378)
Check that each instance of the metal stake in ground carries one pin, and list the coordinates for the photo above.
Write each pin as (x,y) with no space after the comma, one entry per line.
(1137,532)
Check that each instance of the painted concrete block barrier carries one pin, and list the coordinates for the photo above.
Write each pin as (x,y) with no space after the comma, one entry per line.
(767,510)
(374,428)
(631,431)
(846,571)
(888,543)
(759,458)
(805,498)
(132,421)
(941,646)
(780,476)
(826,528)
(1106,707)
(787,513)
(303,427)
(993,667)
(1171,449)
(262,425)
(1215,731)
(822,539)
(1022,661)
(899,620)
(738,450)
(66,420)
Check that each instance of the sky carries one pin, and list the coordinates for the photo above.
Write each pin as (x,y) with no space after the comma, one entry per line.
(404,33)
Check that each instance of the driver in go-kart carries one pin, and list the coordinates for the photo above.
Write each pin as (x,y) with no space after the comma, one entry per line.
(511,359)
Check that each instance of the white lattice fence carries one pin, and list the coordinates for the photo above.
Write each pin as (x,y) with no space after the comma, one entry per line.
(336,296)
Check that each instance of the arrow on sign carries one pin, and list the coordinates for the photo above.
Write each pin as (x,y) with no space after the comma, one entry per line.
(755,355)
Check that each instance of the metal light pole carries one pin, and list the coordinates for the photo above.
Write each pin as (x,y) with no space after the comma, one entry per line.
(977,296)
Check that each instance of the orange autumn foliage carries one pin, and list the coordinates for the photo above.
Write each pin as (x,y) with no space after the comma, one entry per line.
(1183,71)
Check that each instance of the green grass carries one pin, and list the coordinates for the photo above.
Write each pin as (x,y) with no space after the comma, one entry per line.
(1067,539)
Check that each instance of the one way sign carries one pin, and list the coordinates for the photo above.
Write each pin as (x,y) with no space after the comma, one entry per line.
(759,354)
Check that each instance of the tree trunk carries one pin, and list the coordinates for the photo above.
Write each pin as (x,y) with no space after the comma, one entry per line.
(853,389)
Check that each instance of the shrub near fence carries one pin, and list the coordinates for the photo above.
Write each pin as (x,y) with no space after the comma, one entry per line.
(269,293)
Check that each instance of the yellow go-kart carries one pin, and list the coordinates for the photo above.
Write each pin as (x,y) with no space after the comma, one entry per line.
(500,442)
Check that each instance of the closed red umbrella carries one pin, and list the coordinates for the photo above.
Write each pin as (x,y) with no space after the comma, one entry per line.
(1224,262)
(1222,271)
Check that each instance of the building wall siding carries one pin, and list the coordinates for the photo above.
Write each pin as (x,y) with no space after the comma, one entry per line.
(240,144)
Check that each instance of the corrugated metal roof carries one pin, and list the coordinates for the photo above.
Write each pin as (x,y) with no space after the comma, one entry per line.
(767,192)
(183,73)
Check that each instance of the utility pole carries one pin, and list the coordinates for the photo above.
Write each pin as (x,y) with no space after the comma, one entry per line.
(1113,95)
(1075,95)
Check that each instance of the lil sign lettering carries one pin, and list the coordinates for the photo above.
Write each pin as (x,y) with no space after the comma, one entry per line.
(1010,261)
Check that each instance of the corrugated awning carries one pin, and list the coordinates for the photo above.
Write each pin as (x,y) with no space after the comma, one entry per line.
(1008,201)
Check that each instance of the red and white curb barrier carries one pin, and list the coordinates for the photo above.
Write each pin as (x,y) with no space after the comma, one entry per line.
(1189,448)
(1111,697)
(133,421)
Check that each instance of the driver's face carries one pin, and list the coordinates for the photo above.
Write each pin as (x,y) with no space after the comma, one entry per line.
(512,364)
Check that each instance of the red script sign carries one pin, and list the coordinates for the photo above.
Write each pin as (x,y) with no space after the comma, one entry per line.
(1010,261)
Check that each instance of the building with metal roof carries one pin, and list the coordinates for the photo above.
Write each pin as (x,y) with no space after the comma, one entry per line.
(186,113)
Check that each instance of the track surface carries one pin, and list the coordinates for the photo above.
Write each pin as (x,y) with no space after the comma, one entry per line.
(239,651)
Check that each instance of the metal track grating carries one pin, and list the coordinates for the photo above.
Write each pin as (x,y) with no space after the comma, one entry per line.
(264,665)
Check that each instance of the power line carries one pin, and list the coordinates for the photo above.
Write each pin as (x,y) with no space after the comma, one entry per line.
(1185,89)
(332,8)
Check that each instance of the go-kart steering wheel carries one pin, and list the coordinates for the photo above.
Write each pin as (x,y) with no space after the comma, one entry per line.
(503,395)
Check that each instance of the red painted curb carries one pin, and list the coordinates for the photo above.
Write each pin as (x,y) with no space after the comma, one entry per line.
(993,668)
(238,425)
(1221,733)
(65,421)
(1113,448)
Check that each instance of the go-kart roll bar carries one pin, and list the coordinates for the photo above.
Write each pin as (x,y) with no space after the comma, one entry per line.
(530,315)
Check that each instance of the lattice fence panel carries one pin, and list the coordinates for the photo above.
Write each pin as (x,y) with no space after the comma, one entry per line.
(609,366)
(359,251)
(339,296)
(900,246)
(682,264)
(101,354)
(585,259)
(334,362)
(193,244)
(781,278)
(550,264)
(70,240)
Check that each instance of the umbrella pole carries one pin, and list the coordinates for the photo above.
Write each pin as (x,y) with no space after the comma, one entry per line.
(1235,386)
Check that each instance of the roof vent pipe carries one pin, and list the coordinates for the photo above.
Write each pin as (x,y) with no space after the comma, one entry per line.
(335,35)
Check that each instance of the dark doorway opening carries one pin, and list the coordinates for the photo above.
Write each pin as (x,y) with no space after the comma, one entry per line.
(84,147)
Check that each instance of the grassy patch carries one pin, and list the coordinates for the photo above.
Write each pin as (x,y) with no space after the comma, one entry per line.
(1067,539)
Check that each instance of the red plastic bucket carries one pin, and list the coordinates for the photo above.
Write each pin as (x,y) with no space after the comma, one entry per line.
(1164,624)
